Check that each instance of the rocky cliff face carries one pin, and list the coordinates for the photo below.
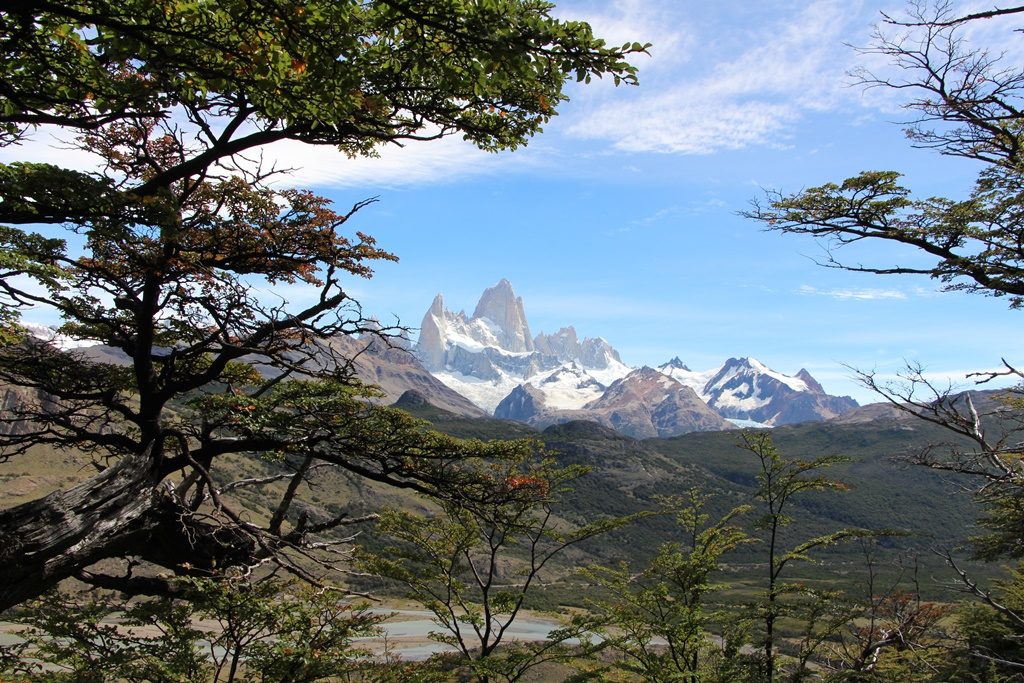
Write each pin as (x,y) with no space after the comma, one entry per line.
(430,347)
(644,404)
(565,346)
(486,356)
(746,389)
(500,305)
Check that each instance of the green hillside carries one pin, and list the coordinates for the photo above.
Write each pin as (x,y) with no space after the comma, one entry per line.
(930,508)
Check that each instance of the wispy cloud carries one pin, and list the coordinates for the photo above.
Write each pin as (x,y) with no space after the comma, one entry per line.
(728,101)
(417,163)
(50,146)
(655,217)
(854,294)
(644,21)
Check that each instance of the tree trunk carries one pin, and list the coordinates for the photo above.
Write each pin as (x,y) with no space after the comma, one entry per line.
(46,540)
(121,511)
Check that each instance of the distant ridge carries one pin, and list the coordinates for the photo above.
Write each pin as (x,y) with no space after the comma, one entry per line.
(746,389)
(490,359)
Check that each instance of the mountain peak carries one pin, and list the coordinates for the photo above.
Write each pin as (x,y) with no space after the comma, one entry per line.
(751,365)
(411,398)
(745,388)
(437,307)
(812,384)
(500,305)
(676,363)
(524,402)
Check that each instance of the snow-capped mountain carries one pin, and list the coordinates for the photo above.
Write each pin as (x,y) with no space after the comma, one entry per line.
(647,403)
(498,328)
(643,404)
(486,356)
(746,389)
(678,371)
(491,359)
(50,335)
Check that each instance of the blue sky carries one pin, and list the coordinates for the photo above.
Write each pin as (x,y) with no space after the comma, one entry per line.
(621,218)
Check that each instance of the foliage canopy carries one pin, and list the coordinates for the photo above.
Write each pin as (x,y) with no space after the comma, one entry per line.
(169,257)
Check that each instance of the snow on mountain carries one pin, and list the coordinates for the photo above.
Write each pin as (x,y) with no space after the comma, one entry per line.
(566,386)
(55,338)
(678,371)
(569,386)
(483,392)
(486,356)
(746,389)
(643,404)
(736,384)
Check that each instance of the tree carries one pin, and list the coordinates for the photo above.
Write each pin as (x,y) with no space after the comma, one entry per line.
(243,74)
(966,102)
(176,293)
(474,566)
(779,479)
(658,619)
(269,630)
(888,632)
(172,241)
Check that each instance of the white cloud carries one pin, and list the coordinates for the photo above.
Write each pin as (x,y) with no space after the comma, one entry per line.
(643,21)
(676,123)
(50,146)
(729,100)
(415,163)
(656,217)
(854,294)
(443,160)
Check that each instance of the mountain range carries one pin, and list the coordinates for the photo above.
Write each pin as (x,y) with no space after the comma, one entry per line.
(386,364)
(489,363)
(492,359)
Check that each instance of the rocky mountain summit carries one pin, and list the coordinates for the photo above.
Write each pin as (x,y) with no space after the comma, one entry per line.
(486,356)
(552,378)
(746,389)
(643,404)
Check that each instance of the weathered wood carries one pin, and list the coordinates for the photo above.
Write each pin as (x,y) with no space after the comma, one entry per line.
(123,510)
(49,539)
